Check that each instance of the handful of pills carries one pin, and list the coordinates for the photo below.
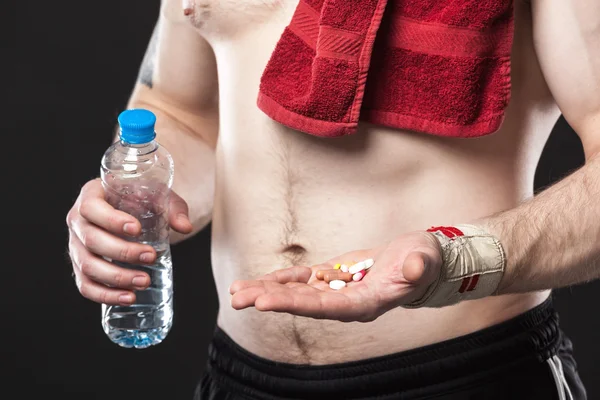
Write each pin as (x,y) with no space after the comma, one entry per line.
(342,273)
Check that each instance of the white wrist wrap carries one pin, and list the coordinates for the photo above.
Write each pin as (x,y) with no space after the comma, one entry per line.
(473,265)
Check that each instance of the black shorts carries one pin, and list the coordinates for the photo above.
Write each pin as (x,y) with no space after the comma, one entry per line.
(527,357)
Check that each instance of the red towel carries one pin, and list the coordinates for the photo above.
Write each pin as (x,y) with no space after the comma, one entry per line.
(434,66)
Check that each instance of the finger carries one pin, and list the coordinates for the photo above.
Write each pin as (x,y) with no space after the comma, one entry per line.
(415,266)
(179,214)
(314,303)
(245,293)
(101,271)
(100,293)
(105,244)
(247,297)
(240,284)
(291,274)
(301,299)
(97,211)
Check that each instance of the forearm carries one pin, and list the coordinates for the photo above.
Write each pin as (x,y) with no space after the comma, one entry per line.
(190,142)
(552,240)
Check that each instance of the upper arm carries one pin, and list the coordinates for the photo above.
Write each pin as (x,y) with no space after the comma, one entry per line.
(178,74)
(567,41)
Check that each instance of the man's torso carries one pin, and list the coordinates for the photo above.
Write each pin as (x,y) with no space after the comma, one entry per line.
(287,198)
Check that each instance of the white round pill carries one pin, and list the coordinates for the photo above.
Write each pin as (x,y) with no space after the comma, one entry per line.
(337,284)
(344,268)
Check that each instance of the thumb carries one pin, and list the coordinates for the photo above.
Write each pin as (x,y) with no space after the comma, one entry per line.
(179,218)
(417,268)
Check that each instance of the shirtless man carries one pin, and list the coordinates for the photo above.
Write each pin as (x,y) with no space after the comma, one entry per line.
(271,193)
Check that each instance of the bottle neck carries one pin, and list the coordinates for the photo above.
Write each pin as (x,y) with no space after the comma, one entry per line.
(140,148)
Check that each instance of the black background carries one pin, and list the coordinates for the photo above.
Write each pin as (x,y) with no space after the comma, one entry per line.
(71,67)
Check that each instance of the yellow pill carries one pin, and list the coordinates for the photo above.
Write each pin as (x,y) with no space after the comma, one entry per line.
(337,266)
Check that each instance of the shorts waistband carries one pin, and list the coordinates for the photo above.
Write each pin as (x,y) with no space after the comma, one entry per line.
(532,336)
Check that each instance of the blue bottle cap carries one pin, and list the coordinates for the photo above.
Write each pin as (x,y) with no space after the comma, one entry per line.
(137,126)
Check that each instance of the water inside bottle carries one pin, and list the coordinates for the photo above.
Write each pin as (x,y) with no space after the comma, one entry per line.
(148,321)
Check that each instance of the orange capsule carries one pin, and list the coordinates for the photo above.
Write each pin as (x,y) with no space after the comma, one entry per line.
(337,275)
(321,273)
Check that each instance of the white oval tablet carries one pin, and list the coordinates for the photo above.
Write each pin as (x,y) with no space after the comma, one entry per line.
(357,267)
(369,263)
(337,284)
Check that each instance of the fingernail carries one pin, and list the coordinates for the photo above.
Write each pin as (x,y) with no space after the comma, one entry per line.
(126,298)
(147,257)
(140,281)
(129,228)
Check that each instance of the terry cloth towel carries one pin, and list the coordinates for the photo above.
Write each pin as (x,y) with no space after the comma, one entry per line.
(435,66)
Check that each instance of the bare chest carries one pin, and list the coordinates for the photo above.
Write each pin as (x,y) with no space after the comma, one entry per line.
(217,19)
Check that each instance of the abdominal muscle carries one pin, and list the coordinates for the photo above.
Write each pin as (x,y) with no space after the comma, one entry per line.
(286,198)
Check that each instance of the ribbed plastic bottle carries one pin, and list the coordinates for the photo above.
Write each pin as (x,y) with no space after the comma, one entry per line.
(137,175)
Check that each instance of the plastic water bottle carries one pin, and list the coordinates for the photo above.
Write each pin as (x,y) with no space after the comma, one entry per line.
(137,175)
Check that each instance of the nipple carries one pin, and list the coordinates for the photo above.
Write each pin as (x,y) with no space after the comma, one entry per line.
(188,7)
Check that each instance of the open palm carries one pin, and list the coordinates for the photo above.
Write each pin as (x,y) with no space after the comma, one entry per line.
(402,271)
